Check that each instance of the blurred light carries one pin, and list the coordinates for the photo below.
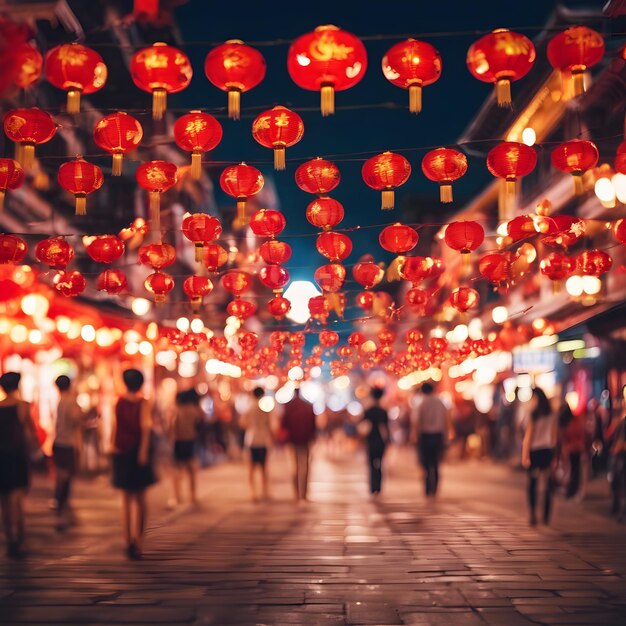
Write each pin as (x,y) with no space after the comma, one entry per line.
(182,323)
(187,370)
(311,391)
(145,348)
(74,330)
(140,306)
(475,328)
(574,286)
(88,333)
(214,366)
(529,136)
(539,324)
(483,398)
(543,341)
(500,314)
(619,186)
(524,380)
(354,408)
(438,331)
(189,356)
(132,336)
(131,348)
(152,331)
(35,336)
(285,393)
(299,293)
(271,382)
(368,346)
(460,333)
(341,382)
(524,394)
(104,337)
(197,325)
(295,373)
(572,344)
(435,374)
(316,371)
(588,353)
(484,376)
(605,192)
(35,305)
(502,229)
(592,285)
(267,404)
(165,357)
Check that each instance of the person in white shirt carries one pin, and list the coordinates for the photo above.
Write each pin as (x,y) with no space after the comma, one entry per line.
(540,439)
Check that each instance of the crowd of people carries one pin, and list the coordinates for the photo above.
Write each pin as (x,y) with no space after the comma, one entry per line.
(550,439)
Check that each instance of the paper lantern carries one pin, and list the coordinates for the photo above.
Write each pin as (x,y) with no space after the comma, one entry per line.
(328,338)
(13,249)
(384,172)
(368,274)
(365,300)
(234,67)
(444,166)
(563,230)
(324,212)
(334,246)
(241,309)
(118,134)
(574,51)
(496,268)
(104,248)
(511,160)
(267,223)
(331,277)
(11,177)
(160,69)
(279,128)
(157,255)
(274,276)
(501,57)
(275,252)
(557,266)
(214,256)
(113,281)
(418,268)
(464,236)
(412,65)
(241,182)
(146,10)
(156,177)
(197,132)
(76,69)
(159,285)
(236,283)
(521,227)
(80,178)
(327,60)
(575,157)
(398,238)
(464,298)
(278,307)
(28,128)
(70,284)
(317,176)
(55,252)
(619,230)
(593,262)
(196,287)
(200,229)
(28,65)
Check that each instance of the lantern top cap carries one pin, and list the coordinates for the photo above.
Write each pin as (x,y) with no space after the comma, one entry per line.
(237,41)
(159,43)
(500,30)
(326,27)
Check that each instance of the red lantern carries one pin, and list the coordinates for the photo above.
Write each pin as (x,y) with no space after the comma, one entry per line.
(365,300)
(593,262)
(328,59)
(146,10)
(235,68)
(575,157)
(418,268)
(236,282)
(367,274)
(501,57)
(464,298)
(214,256)
(464,236)
(160,69)
(317,176)
(563,230)
(241,309)
(55,252)
(70,284)
(80,178)
(241,182)
(157,255)
(398,238)
(384,172)
(27,128)
(557,266)
(156,177)
(443,166)
(76,69)
(196,287)
(319,308)
(28,65)
(511,160)
(267,223)
(278,307)
(104,248)
(275,252)
(496,268)
(200,228)
(411,65)
(330,277)
(574,51)
(11,177)
(197,132)
(328,338)
(278,128)
(334,246)
(113,281)
(417,299)
(620,158)
(159,285)
(324,212)
(619,230)
(13,249)
(274,276)
(521,227)
(118,134)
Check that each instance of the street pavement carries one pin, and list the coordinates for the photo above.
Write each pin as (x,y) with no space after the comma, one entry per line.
(468,558)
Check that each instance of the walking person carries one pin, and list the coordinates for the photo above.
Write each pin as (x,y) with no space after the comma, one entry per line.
(430,429)
(298,424)
(257,439)
(538,448)
(188,418)
(66,445)
(132,472)
(376,430)
(16,430)
(574,439)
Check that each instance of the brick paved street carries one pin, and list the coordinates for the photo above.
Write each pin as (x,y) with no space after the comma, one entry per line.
(468,559)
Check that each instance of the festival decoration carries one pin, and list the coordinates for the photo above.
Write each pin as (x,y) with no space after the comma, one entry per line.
(11,177)
(70,284)
(575,157)
(496,268)
(331,277)
(444,166)
(278,306)
(398,238)
(160,69)
(214,256)
(80,178)
(201,229)
(118,134)
(593,262)
(367,274)
(159,284)
(267,223)
(13,249)
(324,212)
(274,276)
(464,298)
(327,60)
(104,248)
(557,267)
(241,182)
(156,177)
(619,230)
(112,281)
(384,172)
(464,236)
(415,269)
(55,252)
(317,176)
(234,67)
(279,128)
(197,132)
(195,288)
(333,245)
(28,128)
(157,255)
(241,309)
(275,252)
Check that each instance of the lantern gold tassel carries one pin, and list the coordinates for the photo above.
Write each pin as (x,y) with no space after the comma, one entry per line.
(73,101)
(241,211)
(199,252)
(159,103)
(387,199)
(578,78)
(196,165)
(503,92)
(327,100)
(279,158)
(415,98)
(118,160)
(445,193)
(196,303)
(155,210)
(25,154)
(466,262)
(234,104)
(81,204)
(578,183)
(2,194)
